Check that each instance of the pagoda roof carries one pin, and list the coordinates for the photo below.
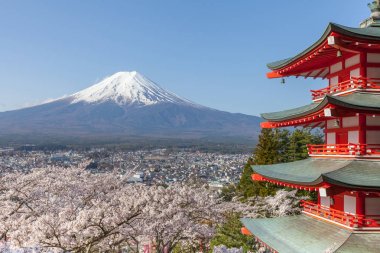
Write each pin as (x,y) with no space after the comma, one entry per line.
(301,233)
(358,100)
(314,171)
(360,243)
(321,51)
(367,33)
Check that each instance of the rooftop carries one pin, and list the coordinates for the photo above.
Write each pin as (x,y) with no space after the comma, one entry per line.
(322,51)
(301,233)
(310,172)
(365,101)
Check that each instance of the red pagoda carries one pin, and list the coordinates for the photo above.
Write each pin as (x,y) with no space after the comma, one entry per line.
(345,170)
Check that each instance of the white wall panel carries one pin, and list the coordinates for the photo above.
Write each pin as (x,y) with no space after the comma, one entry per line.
(331,124)
(336,67)
(352,61)
(373,72)
(355,72)
(353,136)
(351,121)
(372,206)
(372,57)
(373,121)
(373,137)
(334,80)
(325,201)
(331,139)
(349,204)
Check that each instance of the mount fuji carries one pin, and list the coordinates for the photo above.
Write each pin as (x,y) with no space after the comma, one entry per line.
(127,88)
(126,104)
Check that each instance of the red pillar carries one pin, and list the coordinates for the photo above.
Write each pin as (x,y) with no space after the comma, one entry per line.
(360,203)
(363,64)
(362,118)
(362,129)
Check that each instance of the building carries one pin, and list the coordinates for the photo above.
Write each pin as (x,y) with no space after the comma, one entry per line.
(138,177)
(345,170)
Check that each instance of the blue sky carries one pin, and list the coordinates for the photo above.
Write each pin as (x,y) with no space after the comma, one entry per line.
(213,52)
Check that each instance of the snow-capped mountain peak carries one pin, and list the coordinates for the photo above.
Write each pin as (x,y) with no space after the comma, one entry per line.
(122,107)
(126,88)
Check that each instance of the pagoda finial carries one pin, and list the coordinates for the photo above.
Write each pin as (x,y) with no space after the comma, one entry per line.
(374,19)
(375,9)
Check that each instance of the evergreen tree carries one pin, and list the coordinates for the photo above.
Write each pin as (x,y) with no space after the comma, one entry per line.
(271,149)
(298,140)
(274,146)
(228,192)
(229,234)
(248,188)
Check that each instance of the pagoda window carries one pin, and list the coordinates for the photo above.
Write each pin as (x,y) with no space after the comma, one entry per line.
(334,80)
(373,137)
(350,204)
(354,60)
(325,201)
(373,72)
(372,206)
(336,67)
(373,120)
(331,138)
(333,123)
(353,136)
(350,121)
(373,58)
(355,72)
(342,71)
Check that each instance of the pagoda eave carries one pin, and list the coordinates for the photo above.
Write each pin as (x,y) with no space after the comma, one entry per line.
(288,235)
(274,74)
(314,61)
(315,114)
(314,186)
(312,173)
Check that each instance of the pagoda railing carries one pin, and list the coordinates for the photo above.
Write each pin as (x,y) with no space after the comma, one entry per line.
(349,85)
(355,221)
(349,149)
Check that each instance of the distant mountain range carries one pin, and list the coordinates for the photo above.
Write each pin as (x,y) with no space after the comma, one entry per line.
(127,104)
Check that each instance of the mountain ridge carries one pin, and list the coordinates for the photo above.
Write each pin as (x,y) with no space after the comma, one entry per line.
(127,104)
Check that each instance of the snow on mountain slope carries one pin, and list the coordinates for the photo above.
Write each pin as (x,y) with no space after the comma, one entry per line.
(126,88)
(126,104)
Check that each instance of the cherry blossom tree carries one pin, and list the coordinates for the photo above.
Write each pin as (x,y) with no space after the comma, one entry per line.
(228,234)
(181,214)
(283,203)
(69,210)
(224,249)
(72,210)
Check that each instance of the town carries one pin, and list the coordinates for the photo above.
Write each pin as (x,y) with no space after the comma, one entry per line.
(158,166)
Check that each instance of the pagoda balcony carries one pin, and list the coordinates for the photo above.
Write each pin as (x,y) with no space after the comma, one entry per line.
(354,83)
(346,150)
(352,221)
